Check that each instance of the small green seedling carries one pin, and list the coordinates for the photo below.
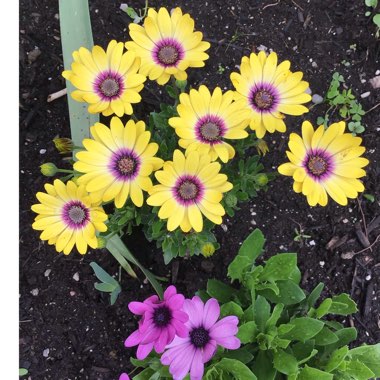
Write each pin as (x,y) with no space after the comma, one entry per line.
(369,197)
(300,236)
(137,18)
(376,17)
(22,371)
(221,69)
(108,284)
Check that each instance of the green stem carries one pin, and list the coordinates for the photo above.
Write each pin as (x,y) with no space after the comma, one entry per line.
(145,9)
(65,171)
(176,90)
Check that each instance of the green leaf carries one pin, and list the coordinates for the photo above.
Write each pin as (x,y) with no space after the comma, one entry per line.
(290,293)
(263,366)
(369,197)
(145,374)
(102,275)
(345,337)
(285,363)
(336,358)
(376,19)
(238,267)
(261,312)
(114,295)
(325,337)
(371,3)
(170,90)
(241,354)
(313,297)
(104,287)
(359,370)
(343,305)
(279,267)
(22,371)
(324,308)
(236,368)
(309,373)
(304,329)
(231,308)
(247,332)
(268,286)
(219,290)
(303,351)
(369,355)
(276,314)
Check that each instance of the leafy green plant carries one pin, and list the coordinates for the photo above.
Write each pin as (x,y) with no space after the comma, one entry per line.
(286,332)
(345,103)
(376,16)
(131,12)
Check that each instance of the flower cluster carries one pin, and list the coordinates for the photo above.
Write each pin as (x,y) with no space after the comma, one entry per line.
(119,163)
(188,330)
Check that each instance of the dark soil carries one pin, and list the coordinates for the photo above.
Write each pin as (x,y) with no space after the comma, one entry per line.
(68,330)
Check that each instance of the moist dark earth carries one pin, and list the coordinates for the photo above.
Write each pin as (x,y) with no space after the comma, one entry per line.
(68,330)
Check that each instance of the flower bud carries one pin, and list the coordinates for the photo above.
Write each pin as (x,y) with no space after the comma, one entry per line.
(207,249)
(262,147)
(48,169)
(181,84)
(261,179)
(63,144)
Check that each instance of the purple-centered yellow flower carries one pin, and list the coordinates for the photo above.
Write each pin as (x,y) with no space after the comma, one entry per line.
(325,162)
(107,80)
(68,217)
(167,45)
(269,91)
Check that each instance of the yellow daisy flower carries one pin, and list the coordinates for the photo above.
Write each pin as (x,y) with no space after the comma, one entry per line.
(325,162)
(269,92)
(117,162)
(107,80)
(167,45)
(205,120)
(68,217)
(190,186)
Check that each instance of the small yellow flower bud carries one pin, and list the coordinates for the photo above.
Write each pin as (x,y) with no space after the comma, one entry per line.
(262,147)
(102,242)
(63,144)
(48,169)
(181,84)
(261,179)
(207,249)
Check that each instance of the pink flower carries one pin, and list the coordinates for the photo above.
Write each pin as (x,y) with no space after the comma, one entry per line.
(124,376)
(161,321)
(190,353)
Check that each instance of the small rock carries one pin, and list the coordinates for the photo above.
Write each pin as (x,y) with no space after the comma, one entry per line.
(56,16)
(312,242)
(317,99)
(47,272)
(322,263)
(345,221)
(375,82)
(33,55)
(314,64)
(377,72)
(76,276)
(365,94)
(45,353)
(262,48)
(253,222)
(363,80)
(35,292)
(72,293)
(368,277)
(224,227)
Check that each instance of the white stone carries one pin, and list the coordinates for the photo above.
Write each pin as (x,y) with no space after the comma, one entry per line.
(345,221)
(42,151)
(45,353)
(47,272)
(312,242)
(76,276)
(368,277)
(377,72)
(35,292)
(317,99)
(322,263)
(365,94)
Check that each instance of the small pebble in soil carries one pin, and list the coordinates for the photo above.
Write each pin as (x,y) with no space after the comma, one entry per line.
(34,54)
(224,227)
(317,99)
(253,222)
(365,94)
(45,353)
(314,64)
(345,220)
(377,72)
(42,151)
(311,242)
(322,263)
(47,272)
(76,276)
(72,293)
(35,292)
(368,277)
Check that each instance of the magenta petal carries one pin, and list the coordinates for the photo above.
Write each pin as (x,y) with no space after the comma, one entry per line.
(195,319)
(211,313)
(180,316)
(231,319)
(150,335)
(133,340)
(222,331)
(180,365)
(181,329)
(171,333)
(143,350)
(152,300)
(161,342)
(138,308)
(124,376)
(209,350)
(169,355)
(169,292)
(198,306)
(231,342)
(197,367)
(176,301)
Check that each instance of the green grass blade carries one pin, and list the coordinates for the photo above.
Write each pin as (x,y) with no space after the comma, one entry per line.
(76,32)
(115,244)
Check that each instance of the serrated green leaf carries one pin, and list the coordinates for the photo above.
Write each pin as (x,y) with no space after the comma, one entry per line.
(304,329)
(285,363)
(219,290)
(238,267)
(247,332)
(336,358)
(290,293)
(325,337)
(338,302)
(276,314)
(359,370)
(279,267)
(345,336)
(369,355)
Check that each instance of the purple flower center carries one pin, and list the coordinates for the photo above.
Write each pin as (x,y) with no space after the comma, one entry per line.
(125,164)
(263,97)
(109,85)
(318,164)
(162,316)
(188,190)
(199,337)
(75,214)
(168,52)
(210,129)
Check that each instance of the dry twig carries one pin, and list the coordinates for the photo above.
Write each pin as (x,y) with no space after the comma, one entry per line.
(56,95)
